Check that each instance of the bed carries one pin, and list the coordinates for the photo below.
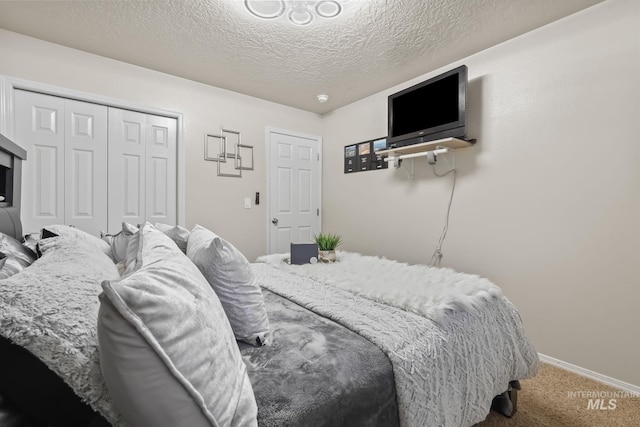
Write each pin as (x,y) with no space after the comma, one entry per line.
(337,353)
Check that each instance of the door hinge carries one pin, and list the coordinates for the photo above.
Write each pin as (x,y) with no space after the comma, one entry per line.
(318,212)
(318,155)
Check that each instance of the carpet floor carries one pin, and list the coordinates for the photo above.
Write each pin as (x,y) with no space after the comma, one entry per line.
(559,398)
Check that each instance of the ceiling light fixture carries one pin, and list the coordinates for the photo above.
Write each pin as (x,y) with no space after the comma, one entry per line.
(299,12)
(323,98)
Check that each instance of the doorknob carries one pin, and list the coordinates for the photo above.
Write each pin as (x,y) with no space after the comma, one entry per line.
(274,221)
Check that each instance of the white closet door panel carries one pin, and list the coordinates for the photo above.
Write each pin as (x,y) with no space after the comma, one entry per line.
(46,181)
(127,168)
(132,185)
(86,166)
(39,129)
(161,178)
(157,187)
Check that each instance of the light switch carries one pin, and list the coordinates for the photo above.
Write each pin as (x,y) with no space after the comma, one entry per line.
(247,202)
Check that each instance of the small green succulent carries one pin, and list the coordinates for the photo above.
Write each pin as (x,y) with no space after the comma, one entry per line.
(327,241)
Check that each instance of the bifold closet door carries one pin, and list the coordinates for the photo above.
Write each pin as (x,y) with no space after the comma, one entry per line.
(142,168)
(65,175)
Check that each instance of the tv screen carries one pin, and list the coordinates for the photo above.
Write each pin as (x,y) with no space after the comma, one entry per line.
(433,109)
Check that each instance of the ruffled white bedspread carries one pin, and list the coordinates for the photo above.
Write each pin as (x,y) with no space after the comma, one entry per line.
(449,361)
(428,291)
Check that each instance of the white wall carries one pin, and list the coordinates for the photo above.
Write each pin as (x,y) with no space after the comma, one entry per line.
(212,201)
(546,205)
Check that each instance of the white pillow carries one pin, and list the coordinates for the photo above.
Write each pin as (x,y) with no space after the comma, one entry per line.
(166,307)
(231,277)
(178,234)
(119,242)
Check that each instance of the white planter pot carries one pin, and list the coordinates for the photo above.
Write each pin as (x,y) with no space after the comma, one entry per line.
(327,256)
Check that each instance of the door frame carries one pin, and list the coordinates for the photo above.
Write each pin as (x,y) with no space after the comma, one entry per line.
(268,131)
(8,86)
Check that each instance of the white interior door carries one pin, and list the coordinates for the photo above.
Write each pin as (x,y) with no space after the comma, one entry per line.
(294,189)
(85,166)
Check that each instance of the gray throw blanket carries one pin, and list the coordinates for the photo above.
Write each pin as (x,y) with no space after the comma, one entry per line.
(317,373)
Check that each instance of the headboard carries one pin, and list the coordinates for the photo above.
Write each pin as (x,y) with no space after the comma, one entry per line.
(11,157)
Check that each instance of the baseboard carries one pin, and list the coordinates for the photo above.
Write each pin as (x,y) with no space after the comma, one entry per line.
(620,385)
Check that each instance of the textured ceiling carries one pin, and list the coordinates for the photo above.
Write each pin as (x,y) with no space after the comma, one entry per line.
(371,46)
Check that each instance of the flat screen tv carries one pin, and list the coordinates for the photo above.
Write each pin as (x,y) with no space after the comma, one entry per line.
(433,109)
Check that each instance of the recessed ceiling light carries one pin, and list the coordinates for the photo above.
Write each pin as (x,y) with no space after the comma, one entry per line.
(323,98)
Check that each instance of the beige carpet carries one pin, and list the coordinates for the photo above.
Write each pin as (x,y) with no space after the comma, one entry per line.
(558,398)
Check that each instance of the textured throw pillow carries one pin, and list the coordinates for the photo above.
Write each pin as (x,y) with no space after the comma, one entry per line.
(178,234)
(166,345)
(119,242)
(76,234)
(231,277)
(51,310)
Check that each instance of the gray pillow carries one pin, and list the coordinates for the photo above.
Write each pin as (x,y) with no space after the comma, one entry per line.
(12,248)
(9,266)
(178,234)
(231,277)
(15,256)
(176,316)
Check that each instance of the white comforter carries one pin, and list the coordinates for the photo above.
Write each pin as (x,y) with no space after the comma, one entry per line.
(449,361)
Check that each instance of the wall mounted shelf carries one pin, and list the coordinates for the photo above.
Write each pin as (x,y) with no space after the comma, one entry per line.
(430,149)
(426,146)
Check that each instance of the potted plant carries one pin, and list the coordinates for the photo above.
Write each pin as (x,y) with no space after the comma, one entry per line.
(327,244)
